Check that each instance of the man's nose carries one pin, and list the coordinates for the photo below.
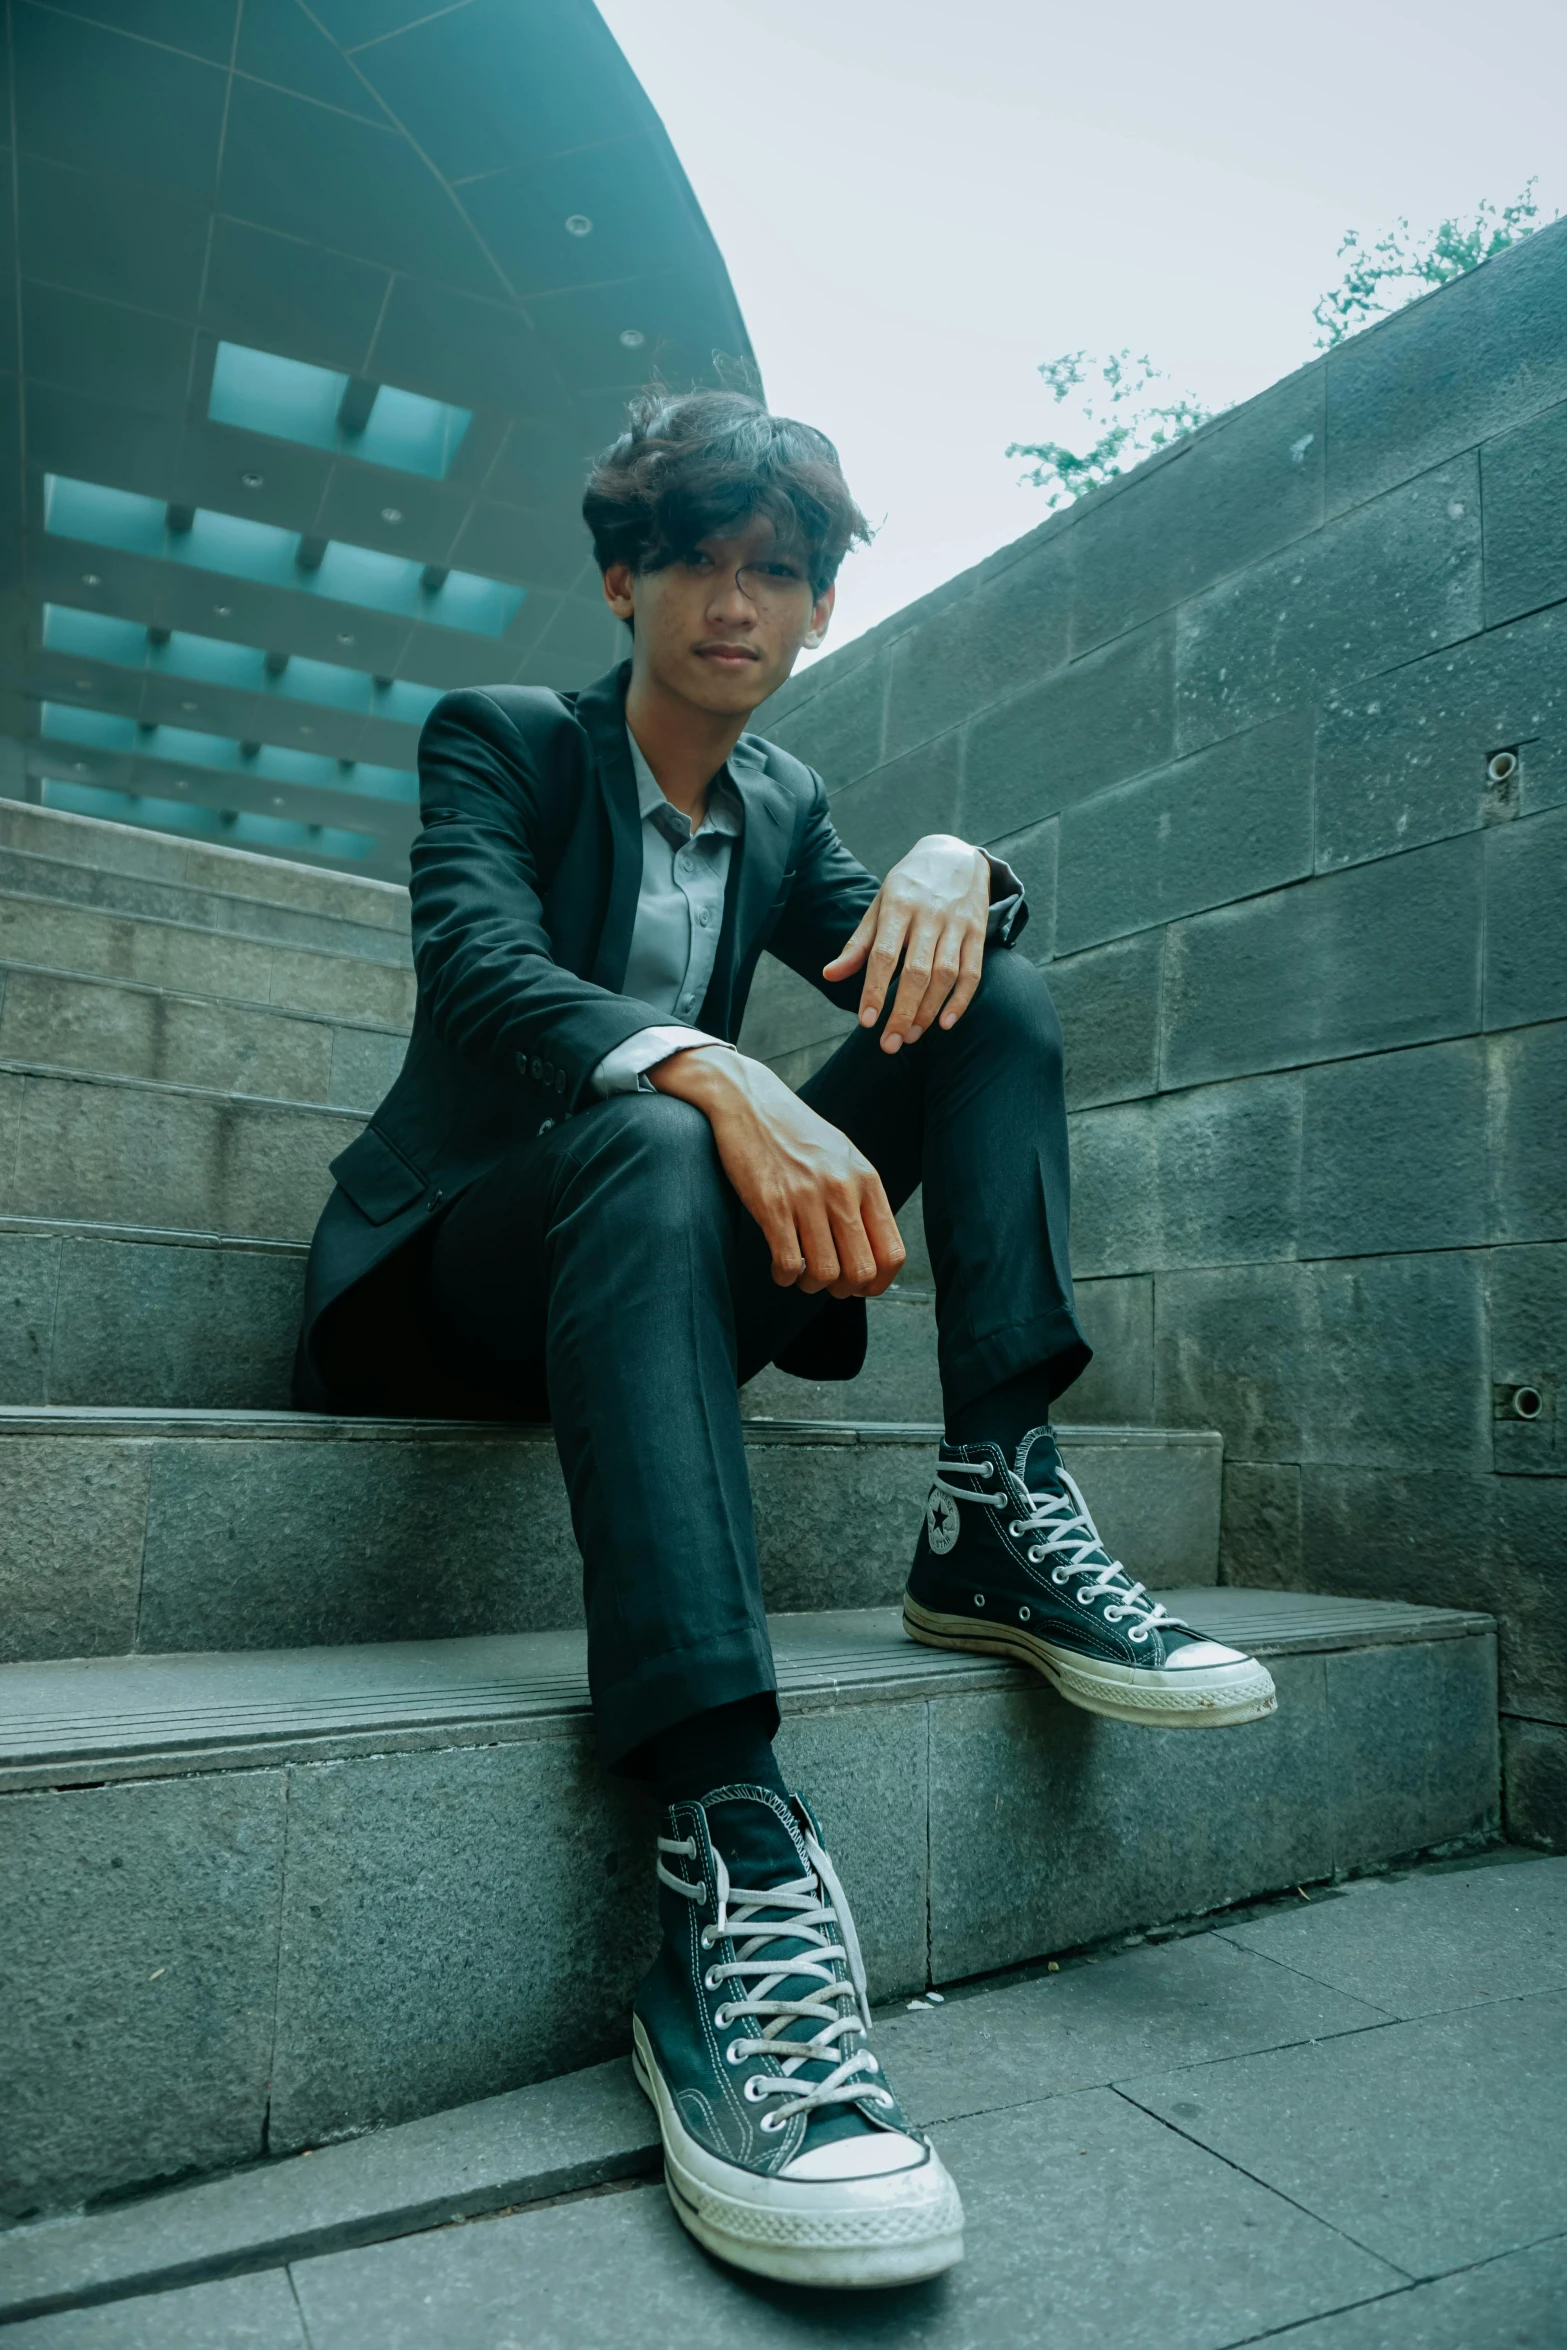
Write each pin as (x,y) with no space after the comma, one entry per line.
(731,597)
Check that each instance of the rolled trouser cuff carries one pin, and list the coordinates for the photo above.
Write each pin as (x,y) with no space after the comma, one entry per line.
(659,1691)
(1050,1342)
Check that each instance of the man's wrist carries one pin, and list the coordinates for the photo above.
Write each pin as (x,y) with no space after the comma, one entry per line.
(697,1072)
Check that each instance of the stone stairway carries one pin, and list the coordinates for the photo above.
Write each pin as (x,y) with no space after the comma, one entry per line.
(300,1827)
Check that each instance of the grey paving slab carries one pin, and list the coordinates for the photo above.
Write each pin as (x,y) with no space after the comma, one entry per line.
(1419,1944)
(138,1945)
(1087,2224)
(1177,2002)
(556,2138)
(239,2313)
(1518,2302)
(1433,2143)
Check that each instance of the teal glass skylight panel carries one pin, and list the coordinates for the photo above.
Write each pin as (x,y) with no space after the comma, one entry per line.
(94,636)
(211,660)
(410,433)
(292,401)
(323,683)
(189,818)
(101,729)
(234,546)
(242,548)
(484,607)
(284,397)
(105,518)
(362,575)
(408,703)
(208,660)
(185,746)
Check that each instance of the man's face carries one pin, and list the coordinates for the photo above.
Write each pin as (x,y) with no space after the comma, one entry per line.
(723,628)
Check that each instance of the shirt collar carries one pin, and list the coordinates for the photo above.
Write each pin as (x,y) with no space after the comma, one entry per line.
(725,808)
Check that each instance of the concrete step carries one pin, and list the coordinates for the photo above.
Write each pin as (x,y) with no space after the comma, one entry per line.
(150,1532)
(191,958)
(114,1028)
(258,1902)
(123,1150)
(113,854)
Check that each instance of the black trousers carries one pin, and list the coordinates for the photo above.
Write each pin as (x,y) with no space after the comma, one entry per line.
(605,1276)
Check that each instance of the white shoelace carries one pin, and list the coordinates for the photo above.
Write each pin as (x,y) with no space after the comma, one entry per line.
(1069,1536)
(808,1905)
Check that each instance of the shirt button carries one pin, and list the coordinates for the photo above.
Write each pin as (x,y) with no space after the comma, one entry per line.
(706,916)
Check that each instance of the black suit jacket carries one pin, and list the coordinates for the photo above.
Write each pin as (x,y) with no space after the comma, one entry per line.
(524,889)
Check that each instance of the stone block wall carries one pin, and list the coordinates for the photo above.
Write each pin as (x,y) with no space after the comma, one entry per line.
(1237,718)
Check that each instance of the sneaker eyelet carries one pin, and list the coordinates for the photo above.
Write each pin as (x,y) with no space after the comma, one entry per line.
(712,1979)
(1084,1598)
(771,2123)
(1023,1614)
(709,1937)
(1058,1576)
(1137,1638)
(735,2054)
(884,2097)
(1036,1558)
(722,2019)
(1015,1528)
(979,1599)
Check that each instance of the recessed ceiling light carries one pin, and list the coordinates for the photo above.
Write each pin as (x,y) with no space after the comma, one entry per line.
(391,514)
(277,799)
(632,337)
(187,705)
(78,767)
(578,225)
(307,730)
(91,579)
(344,639)
(180,784)
(253,481)
(224,611)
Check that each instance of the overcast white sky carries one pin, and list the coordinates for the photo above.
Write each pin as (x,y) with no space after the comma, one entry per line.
(920,200)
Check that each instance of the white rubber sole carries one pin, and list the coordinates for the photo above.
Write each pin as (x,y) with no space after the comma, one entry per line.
(892,2230)
(1209,1697)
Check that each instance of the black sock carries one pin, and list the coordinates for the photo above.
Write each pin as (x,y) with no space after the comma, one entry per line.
(1005,1414)
(727,1746)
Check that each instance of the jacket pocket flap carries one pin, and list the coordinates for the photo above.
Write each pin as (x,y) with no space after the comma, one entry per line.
(376,1177)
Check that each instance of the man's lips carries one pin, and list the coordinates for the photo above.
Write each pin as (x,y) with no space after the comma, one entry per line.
(727,656)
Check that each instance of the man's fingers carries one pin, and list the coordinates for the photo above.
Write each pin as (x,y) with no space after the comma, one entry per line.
(817,1245)
(968,979)
(891,930)
(919,956)
(881,1230)
(944,972)
(855,947)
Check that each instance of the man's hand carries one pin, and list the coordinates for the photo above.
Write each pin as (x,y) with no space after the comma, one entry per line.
(818,1200)
(931,910)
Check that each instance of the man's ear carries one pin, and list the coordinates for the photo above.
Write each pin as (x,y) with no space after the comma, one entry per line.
(821,614)
(619,581)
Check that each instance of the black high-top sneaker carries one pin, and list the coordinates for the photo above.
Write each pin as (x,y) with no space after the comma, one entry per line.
(785,2152)
(1010,1563)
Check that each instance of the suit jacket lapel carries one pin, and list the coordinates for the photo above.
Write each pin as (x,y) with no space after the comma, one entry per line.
(602,709)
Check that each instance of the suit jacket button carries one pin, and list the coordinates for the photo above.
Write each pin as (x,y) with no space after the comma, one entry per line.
(435,1199)
(537,1066)
(549,1072)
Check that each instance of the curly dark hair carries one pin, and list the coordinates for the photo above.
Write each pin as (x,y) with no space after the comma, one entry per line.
(694,465)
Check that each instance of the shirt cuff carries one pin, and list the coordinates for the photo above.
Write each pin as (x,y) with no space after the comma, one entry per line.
(625,1069)
(1006,902)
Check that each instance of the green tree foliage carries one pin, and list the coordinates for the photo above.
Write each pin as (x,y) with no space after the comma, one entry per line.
(1130,426)
(1399,267)
(1380,279)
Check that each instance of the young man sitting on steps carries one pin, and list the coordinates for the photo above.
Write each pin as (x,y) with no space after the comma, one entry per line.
(581,1202)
